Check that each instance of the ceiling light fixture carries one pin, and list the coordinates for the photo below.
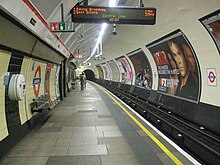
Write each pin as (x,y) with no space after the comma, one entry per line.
(111,3)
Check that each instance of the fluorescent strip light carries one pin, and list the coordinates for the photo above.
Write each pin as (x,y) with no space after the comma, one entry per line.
(111,3)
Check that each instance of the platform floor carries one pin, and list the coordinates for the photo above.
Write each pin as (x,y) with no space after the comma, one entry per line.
(89,128)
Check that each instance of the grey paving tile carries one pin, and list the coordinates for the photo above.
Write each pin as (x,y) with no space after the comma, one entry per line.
(84,107)
(66,111)
(142,133)
(108,123)
(81,117)
(41,141)
(76,120)
(35,135)
(64,104)
(62,115)
(118,149)
(104,116)
(86,94)
(55,119)
(107,128)
(128,159)
(74,160)
(25,147)
(87,134)
(79,129)
(23,151)
(100,112)
(51,151)
(112,140)
(80,124)
(50,129)
(77,124)
(86,111)
(77,141)
(87,100)
(24,160)
(112,133)
(87,150)
(46,125)
(59,135)
(105,119)
(100,105)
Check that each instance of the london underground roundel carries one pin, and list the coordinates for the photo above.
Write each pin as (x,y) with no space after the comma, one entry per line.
(37,81)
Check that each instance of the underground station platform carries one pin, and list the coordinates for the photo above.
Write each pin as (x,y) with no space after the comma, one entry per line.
(93,127)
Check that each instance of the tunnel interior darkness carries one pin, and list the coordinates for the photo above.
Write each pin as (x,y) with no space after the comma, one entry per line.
(89,74)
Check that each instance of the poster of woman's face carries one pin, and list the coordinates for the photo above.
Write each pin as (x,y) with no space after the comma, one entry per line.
(142,69)
(177,67)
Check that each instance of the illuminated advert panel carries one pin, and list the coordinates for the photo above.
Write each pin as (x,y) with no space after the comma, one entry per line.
(107,71)
(212,24)
(114,15)
(115,70)
(177,66)
(100,71)
(125,70)
(143,73)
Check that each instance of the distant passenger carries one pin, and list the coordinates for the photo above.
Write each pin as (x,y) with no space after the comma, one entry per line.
(82,78)
(188,87)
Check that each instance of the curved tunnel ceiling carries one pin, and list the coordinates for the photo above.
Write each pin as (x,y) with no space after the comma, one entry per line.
(176,15)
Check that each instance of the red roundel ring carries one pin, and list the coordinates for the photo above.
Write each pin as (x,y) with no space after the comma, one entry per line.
(211,77)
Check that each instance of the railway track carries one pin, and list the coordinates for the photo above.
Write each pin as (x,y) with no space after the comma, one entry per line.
(199,142)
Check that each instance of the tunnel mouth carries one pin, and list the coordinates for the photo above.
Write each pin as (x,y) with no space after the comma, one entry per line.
(89,74)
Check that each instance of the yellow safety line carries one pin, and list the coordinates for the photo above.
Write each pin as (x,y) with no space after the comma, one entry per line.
(173,157)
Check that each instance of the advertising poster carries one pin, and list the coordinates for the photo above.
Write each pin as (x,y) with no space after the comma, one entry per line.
(47,79)
(142,69)
(115,70)
(107,71)
(177,67)
(57,81)
(212,24)
(101,74)
(125,69)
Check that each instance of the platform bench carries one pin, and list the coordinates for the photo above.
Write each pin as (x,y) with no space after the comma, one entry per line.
(40,103)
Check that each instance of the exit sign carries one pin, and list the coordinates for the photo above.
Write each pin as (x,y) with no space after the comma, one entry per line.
(62,27)
(78,56)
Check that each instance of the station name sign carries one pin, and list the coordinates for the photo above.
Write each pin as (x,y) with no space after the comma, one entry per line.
(114,15)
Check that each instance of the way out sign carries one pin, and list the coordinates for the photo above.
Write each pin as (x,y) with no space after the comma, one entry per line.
(62,27)
(212,77)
